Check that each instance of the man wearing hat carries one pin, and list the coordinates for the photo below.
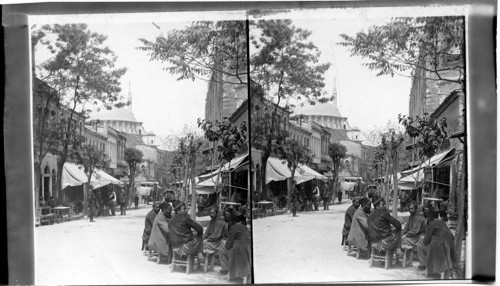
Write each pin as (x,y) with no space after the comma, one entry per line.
(358,234)
(349,213)
(181,228)
(383,229)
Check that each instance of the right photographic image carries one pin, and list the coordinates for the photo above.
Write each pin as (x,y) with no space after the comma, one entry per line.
(358,146)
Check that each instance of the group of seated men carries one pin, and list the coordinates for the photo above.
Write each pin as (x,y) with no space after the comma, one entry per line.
(228,236)
(378,229)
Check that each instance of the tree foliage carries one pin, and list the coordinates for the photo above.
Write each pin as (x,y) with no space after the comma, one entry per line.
(432,44)
(133,157)
(336,151)
(91,159)
(430,134)
(202,50)
(285,63)
(81,70)
(228,137)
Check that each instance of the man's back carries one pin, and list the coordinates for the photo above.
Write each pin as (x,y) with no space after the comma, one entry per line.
(379,224)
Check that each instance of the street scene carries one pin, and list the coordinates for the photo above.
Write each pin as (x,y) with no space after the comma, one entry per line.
(207,148)
(358,142)
(141,166)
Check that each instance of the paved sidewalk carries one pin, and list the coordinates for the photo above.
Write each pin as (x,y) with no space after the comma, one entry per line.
(307,249)
(104,252)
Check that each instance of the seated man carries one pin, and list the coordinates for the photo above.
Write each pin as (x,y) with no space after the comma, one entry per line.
(181,227)
(348,219)
(159,240)
(213,238)
(437,251)
(236,254)
(414,230)
(358,234)
(383,229)
(148,224)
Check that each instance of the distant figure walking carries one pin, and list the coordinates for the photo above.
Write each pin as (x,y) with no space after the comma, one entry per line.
(123,202)
(136,201)
(112,202)
(339,196)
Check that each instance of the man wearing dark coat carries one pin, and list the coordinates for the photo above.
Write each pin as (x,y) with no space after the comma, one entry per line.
(349,213)
(414,231)
(358,234)
(236,254)
(383,229)
(437,252)
(148,224)
(181,227)
(213,238)
(159,239)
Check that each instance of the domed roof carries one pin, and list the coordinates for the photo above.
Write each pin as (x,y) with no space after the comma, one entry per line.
(324,109)
(117,114)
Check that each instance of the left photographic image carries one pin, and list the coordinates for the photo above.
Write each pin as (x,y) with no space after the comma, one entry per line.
(140,149)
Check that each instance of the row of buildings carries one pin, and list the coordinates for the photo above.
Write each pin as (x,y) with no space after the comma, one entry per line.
(314,126)
(111,131)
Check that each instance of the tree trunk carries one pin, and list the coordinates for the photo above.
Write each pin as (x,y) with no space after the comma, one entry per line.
(193,189)
(291,184)
(395,187)
(131,184)
(185,186)
(59,197)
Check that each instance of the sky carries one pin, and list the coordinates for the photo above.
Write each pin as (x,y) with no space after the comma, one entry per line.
(166,105)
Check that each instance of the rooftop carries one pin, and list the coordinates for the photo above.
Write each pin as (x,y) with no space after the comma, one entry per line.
(324,109)
(118,114)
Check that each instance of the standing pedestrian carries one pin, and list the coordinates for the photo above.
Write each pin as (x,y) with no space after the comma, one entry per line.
(316,197)
(112,202)
(123,202)
(339,196)
(325,198)
(136,201)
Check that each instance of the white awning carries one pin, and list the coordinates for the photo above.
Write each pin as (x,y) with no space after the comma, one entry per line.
(74,175)
(229,166)
(432,162)
(104,179)
(144,191)
(305,173)
(277,170)
(347,186)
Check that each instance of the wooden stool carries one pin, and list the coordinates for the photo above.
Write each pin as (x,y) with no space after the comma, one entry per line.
(209,260)
(351,248)
(359,252)
(178,261)
(386,258)
(405,256)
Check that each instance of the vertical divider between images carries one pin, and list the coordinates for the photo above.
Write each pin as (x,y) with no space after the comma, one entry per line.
(249,138)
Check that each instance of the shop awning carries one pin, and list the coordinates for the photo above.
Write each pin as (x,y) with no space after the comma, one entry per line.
(144,191)
(104,179)
(74,175)
(229,166)
(434,161)
(277,170)
(347,186)
(305,173)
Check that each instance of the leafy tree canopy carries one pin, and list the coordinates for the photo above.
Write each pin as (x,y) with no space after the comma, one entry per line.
(295,153)
(336,151)
(81,68)
(433,44)
(285,63)
(430,134)
(91,159)
(202,50)
(133,156)
(230,138)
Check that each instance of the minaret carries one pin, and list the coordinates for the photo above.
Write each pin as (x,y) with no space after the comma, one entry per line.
(129,98)
(334,92)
